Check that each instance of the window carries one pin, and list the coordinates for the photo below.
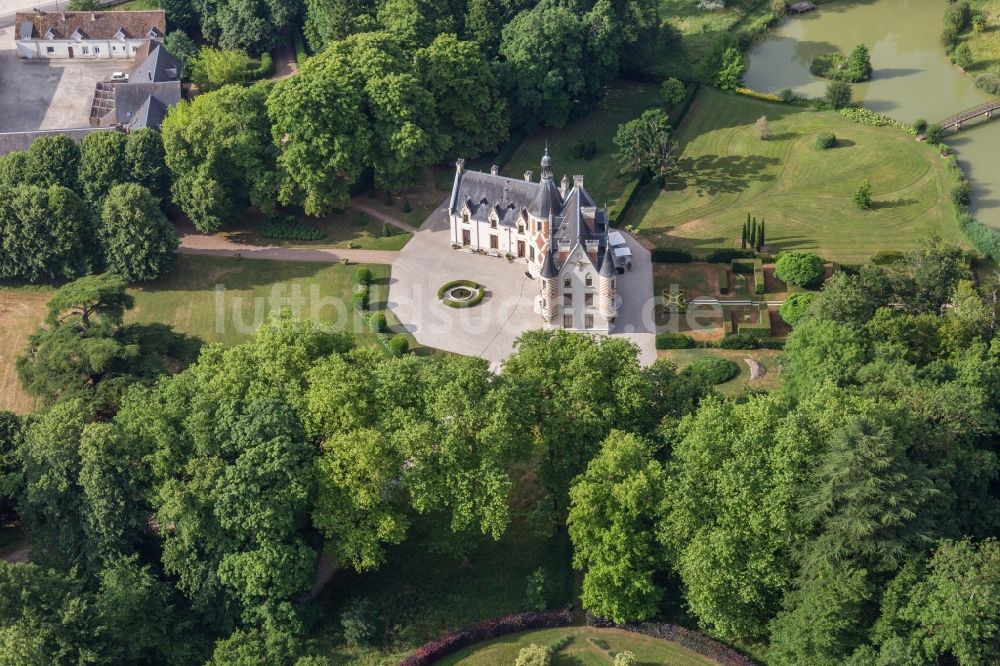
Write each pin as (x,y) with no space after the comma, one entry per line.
(588,321)
(50,49)
(493,223)
(465,216)
(588,300)
(567,321)
(97,49)
(494,242)
(590,280)
(531,252)
(568,300)
(520,228)
(566,281)
(85,50)
(134,49)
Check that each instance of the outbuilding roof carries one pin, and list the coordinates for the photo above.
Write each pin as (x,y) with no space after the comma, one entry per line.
(91,25)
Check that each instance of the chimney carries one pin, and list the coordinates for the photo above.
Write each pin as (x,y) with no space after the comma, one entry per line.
(494,170)
(93,16)
(62,16)
(527,176)
(564,186)
(577,181)
(459,165)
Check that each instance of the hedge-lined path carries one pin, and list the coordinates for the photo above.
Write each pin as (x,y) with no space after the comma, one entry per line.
(193,242)
(382,217)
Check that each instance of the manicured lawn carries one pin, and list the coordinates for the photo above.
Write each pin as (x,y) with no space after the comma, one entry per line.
(222,299)
(985,45)
(137,5)
(588,646)
(803,194)
(769,358)
(21,312)
(421,594)
(624,101)
(697,28)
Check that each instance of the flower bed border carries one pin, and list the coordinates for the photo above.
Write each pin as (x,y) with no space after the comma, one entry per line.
(477,632)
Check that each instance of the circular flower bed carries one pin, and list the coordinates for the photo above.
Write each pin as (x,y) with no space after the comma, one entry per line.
(461,293)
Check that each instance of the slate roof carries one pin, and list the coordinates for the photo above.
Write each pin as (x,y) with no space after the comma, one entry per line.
(573,218)
(156,67)
(131,97)
(91,25)
(12,141)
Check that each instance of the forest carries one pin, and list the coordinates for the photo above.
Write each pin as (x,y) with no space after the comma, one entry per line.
(178,516)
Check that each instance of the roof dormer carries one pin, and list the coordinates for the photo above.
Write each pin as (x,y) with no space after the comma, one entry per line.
(153,33)
(50,34)
(120,35)
(77,36)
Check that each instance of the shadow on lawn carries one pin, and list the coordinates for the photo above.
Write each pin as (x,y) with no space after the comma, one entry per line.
(894,203)
(715,174)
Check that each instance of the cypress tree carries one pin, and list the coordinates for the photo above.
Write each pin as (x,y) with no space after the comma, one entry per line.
(753,233)
(760,236)
(744,241)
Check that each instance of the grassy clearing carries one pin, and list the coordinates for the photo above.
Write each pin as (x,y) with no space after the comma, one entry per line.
(588,646)
(21,312)
(222,299)
(803,194)
(696,29)
(985,45)
(137,5)
(421,594)
(769,358)
(623,101)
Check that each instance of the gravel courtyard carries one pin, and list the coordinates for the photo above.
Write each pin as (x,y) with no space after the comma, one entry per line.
(490,328)
(48,94)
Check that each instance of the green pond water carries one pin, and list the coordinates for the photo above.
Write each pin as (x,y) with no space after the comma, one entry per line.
(913,77)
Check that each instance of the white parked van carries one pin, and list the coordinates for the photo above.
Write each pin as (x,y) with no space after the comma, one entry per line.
(623,255)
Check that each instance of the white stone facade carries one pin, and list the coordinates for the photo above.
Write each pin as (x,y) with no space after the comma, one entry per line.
(557,232)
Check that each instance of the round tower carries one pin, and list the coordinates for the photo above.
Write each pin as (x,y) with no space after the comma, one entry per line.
(606,283)
(550,289)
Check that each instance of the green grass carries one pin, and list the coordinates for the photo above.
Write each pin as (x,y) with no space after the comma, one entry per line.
(588,647)
(697,28)
(769,358)
(188,299)
(137,5)
(421,594)
(804,195)
(624,101)
(350,229)
(985,46)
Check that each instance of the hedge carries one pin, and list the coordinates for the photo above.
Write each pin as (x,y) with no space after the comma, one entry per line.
(725,256)
(478,632)
(759,330)
(289,228)
(666,255)
(687,638)
(723,279)
(266,67)
(743,266)
(471,284)
(674,341)
(712,369)
(301,55)
(758,276)
(621,205)
(740,341)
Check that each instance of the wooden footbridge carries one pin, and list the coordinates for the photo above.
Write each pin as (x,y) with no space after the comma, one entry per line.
(956,121)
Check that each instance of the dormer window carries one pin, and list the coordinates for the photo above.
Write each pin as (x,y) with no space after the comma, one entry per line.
(153,33)
(493,222)
(120,35)
(520,228)
(77,35)
(465,215)
(49,34)
(589,280)
(566,281)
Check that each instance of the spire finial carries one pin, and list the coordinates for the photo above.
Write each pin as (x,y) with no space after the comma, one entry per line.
(546,162)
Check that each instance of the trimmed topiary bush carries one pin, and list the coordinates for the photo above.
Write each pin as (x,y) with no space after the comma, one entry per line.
(399,345)
(378,322)
(363,276)
(795,307)
(674,341)
(534,655)
(799,268)
(712,370)
(826,140)
(475,299)
(360,298)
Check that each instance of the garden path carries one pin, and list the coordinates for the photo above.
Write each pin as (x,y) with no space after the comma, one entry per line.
(193,242)
(379,215)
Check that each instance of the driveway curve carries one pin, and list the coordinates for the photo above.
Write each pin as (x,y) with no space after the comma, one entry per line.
(192,242)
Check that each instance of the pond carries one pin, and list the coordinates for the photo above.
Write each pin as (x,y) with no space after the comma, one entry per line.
(913,77)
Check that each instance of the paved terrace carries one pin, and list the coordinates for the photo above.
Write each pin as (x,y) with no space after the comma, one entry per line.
(490,328)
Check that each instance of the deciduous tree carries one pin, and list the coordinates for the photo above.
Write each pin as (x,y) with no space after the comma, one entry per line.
(139,242)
